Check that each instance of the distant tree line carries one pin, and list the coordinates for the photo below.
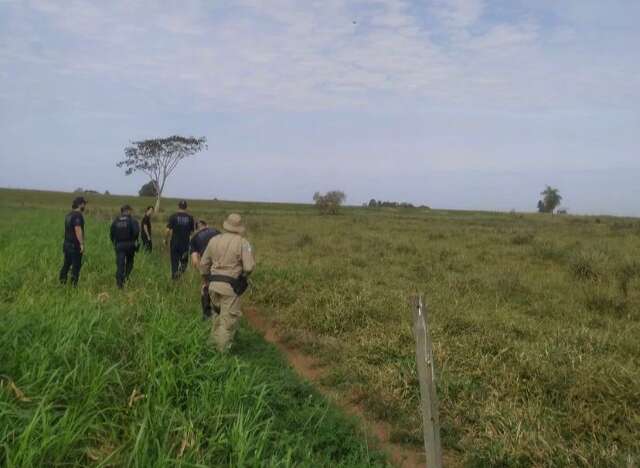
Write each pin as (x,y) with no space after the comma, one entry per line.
(93,192)
(373,203)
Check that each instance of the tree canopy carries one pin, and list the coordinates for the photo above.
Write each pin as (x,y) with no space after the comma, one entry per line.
(551,199)
(148,190)
(330,202)
(158,158)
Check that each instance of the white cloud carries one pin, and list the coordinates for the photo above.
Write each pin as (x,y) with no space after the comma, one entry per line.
(458,14)
(285,54)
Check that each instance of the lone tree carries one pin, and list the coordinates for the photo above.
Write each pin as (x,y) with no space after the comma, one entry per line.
(148,190)
(158,158)
(551,199)
(330,202)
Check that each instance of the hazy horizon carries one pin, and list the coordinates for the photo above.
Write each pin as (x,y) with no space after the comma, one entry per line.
(459,104)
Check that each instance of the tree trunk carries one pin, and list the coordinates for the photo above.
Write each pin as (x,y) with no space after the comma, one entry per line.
(158,196)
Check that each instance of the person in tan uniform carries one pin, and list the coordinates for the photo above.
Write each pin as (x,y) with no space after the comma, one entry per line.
(225,265)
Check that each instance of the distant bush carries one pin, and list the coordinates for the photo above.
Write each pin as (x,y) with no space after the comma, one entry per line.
(330,202)
(148,190)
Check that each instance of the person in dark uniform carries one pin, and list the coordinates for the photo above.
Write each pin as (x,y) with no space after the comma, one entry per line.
(124,236)
(198,244)
(73,246)
(179,229)
(145,233)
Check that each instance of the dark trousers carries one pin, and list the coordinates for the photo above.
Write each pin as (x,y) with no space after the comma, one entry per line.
(73,261)
(147,244)
(179,260)
(124,264)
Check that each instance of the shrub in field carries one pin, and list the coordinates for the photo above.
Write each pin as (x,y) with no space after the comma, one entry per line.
(330,202)
(588,265)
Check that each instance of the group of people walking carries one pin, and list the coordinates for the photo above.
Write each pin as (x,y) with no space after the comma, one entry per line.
(224,259)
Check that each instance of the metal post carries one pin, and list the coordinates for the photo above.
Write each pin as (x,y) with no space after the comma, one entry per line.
(427,378)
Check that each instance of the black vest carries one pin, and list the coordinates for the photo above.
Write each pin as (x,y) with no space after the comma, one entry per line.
(123,231)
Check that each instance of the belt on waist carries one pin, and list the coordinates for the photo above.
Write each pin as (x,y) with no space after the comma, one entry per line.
(239,284)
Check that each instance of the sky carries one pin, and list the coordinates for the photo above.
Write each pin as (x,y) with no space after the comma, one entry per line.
(460,104)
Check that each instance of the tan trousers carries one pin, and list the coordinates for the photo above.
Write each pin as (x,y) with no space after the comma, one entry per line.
(224,326)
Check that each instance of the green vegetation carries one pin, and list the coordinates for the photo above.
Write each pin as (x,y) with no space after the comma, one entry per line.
(99,377)
(535,323)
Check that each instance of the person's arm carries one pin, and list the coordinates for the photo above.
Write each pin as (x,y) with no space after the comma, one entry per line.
(169,231)
(248,260)
(80,237)
(195,260)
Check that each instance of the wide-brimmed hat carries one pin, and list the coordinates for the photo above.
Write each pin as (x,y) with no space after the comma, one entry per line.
(233,223)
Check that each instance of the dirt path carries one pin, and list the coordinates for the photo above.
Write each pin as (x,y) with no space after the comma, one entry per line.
(312,370)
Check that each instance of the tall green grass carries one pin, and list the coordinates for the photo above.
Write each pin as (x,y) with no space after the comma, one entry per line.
(535,319)
(99,377)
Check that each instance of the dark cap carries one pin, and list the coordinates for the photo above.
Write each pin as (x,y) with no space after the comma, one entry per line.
(182,204)
(78,201)
(124,208)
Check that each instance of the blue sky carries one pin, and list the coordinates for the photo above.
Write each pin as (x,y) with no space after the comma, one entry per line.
(471,104)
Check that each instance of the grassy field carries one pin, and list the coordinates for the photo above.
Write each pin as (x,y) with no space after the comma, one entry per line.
(100,377)
(535,323)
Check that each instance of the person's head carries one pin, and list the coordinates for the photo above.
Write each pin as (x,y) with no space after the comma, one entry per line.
(182,204)
(233,224)
(125,210)
(149,211)
(201,224)
(79,203)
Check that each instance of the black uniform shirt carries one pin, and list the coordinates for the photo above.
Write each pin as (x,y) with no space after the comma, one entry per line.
(124,230)
(181,225)
(146,221)
(200,241)
(73,219)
